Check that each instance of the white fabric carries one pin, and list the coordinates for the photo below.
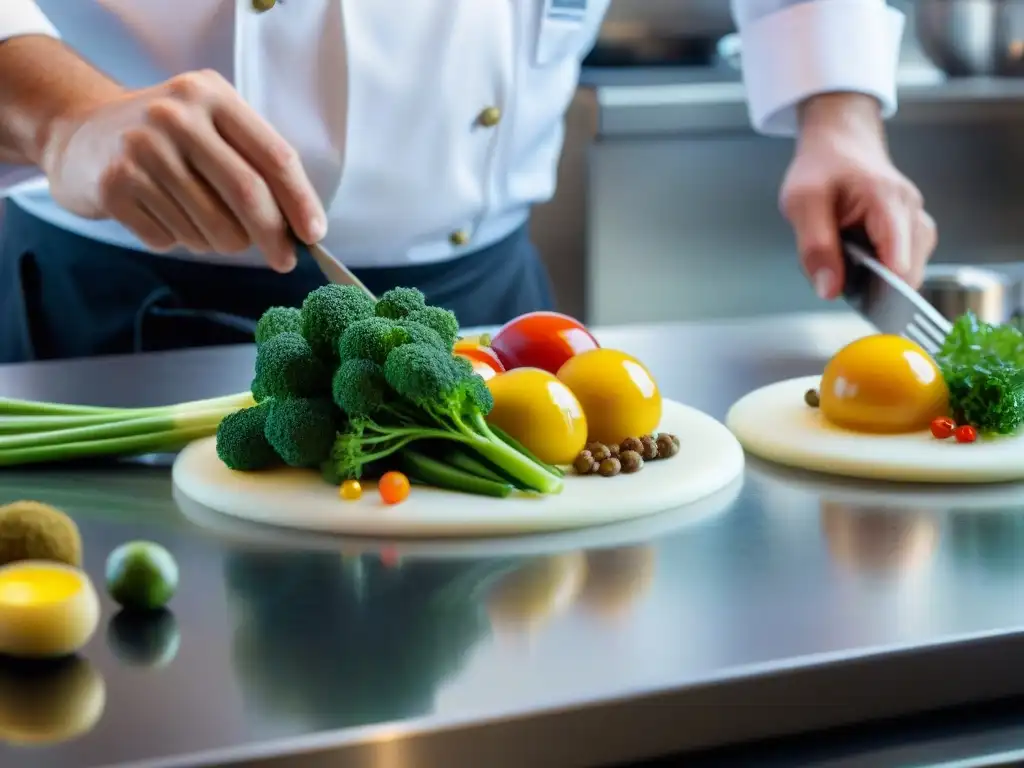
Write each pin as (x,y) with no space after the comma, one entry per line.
(793,50)
(381,98)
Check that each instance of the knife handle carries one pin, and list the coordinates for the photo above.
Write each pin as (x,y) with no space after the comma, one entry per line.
(858,277)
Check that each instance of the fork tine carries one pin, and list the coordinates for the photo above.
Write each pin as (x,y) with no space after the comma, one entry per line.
(913,333)
(929,327)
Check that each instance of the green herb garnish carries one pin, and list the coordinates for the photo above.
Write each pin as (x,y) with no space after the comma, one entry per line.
(983,365)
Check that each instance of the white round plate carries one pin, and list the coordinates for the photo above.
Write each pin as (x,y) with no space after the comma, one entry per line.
(710,459)
(613,535)
(776,424)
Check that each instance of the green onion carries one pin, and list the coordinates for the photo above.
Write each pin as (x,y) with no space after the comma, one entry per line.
(40,432)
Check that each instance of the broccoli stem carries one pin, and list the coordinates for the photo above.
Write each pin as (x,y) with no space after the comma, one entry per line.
(461,459)
(506,438)
(440,475)
(506,458)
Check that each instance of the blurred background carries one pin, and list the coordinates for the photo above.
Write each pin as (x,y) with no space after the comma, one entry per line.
(665,190)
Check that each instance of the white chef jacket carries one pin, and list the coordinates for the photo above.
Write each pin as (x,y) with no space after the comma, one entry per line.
(383,99)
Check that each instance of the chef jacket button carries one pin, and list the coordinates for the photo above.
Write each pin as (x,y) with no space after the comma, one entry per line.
(490,117)
(458,238)
(262,6)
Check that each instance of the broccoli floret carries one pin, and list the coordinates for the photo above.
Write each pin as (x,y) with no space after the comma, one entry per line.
(422,334)
(327,312)
(429,395)
(437,382)
(302,430)
(256,389)
(399,302)
(287,367)
(241,442)
(359,388)
(442,321)
(278,320)
(372,339)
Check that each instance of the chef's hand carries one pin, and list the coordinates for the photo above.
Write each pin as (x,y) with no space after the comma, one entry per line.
(186,163)
(841,176)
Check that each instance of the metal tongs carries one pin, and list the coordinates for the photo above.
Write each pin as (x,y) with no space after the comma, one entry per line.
(884,299)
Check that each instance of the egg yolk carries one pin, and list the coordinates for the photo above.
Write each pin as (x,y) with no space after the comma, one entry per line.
(36,585)
(883,384)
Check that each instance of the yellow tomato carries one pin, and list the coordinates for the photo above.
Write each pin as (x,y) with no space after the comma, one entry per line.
(883,384)
(618,394)
(540,412)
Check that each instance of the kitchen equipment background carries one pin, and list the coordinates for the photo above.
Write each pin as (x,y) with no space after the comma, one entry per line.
(971,38)
(954,289)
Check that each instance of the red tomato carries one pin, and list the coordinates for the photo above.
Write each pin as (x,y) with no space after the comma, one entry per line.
(393,487)
(943,427)
(542,340)
(965,433)
(477,353)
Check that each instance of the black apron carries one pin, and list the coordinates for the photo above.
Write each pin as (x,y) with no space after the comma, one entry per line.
(65,296)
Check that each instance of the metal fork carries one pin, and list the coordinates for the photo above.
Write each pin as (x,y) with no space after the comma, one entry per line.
(885,300)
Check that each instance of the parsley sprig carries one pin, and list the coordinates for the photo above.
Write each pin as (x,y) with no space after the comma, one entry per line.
(983,365)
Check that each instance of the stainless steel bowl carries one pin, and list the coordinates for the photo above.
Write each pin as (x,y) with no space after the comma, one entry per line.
(956,289)
(970,38)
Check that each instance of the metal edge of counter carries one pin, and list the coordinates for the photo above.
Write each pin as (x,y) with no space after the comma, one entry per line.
(749,705)
(699,107)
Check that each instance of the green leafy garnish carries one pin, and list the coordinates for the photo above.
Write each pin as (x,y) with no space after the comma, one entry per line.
(983,365)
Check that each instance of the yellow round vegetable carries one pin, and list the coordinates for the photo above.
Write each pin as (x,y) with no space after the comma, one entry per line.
(619,395)
(46,609)
(882,384)
(540,412)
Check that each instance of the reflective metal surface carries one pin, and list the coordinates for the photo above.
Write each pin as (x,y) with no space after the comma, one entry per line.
(955,289)
(970,38)
(805,602)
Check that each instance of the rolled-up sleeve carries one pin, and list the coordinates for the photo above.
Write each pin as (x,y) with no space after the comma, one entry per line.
(23,17)
(795,49)
(17,18)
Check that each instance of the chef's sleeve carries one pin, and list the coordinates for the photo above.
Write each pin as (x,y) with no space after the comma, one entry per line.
(17,18)
(795,49)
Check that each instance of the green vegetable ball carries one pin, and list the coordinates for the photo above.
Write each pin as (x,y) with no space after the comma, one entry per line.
(442,321)
(372,339)
(141,575)
(422,334)
(256,388)
(359,388)
(327,313)
(302,430)
(278,320)
(241,443)
(287,367)
(400,302)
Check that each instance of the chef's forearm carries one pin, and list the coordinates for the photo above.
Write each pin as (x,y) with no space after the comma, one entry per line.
(42,82)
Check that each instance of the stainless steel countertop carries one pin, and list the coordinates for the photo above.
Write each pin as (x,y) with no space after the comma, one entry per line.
(801,603)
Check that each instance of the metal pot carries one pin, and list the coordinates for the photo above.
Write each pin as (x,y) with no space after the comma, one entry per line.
(955,289)
(970,38)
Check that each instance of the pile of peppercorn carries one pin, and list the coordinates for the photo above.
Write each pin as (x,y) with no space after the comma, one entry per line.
(627,457)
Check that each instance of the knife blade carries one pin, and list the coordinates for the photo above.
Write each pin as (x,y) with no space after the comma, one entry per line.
(884,299)
(332,269)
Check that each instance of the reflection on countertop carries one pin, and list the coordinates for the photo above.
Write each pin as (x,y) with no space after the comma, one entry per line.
(788,585)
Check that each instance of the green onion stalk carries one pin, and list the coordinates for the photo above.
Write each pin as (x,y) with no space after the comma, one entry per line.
(38,432)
